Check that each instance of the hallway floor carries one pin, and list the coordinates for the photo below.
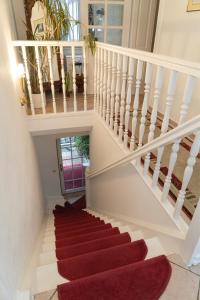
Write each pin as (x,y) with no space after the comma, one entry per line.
(184,283)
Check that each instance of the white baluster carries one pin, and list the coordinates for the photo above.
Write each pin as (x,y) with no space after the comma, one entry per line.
(165,123)
(95,80)
(28,79)
(74,78)
(175,148)
(123,96)
(145,103)
(40,79)
(113,83)
(104,83)
(109,69)
(63,78)
(187,174)
(85,78)
(98,79)
(117,92)
(158,85)
(128,99)
(101,82)
(136,103)
(51,77)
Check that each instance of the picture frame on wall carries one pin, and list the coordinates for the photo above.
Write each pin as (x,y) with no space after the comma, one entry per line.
(193,5)
(39,27)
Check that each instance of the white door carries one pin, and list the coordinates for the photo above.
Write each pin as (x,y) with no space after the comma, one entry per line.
(109,21)
(71,166)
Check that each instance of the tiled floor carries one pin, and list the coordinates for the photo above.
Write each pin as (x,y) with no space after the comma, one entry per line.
(60,106)
(183,285)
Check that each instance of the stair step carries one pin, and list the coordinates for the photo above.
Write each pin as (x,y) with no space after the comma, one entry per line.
(47,278)
(154,247)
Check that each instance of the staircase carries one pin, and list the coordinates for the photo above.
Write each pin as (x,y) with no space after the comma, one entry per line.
(47,275)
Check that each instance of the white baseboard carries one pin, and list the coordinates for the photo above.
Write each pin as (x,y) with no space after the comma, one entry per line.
(24,295)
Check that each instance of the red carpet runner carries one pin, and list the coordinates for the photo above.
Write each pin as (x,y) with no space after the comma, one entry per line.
(103,264)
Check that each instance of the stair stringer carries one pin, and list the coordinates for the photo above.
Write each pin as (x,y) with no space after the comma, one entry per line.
(121,193)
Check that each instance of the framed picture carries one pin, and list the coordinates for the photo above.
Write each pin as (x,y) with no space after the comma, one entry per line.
(193,5)
(39,27)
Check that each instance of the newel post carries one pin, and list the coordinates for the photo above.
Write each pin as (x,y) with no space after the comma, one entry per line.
(190,251)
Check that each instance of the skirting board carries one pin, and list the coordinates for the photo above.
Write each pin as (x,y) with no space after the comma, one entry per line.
(24,295)
(52,201)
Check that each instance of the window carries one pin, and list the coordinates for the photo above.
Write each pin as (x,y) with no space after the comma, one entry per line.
(105,20)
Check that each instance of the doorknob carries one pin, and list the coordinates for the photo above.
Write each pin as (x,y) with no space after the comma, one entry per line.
(61,168)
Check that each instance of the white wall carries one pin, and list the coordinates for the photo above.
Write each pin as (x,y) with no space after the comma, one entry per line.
(177,35)
(19,18)
(21,200)
(121,192)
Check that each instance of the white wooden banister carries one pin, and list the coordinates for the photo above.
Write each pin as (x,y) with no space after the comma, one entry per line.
(40,78)
(136,103)
(175,148)
(187,174)
(145,103)
(51,78)
(165,123)
(128,100)
(109,69)
(63,79)
(158,85)
(123,96)
(117,92)
(24,55)
(113,83)
(105,57)
(163,140)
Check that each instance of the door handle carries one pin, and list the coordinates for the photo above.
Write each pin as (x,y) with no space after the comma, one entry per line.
(61,168)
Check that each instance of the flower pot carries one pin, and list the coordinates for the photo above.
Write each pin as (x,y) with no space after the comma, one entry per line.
(37,100)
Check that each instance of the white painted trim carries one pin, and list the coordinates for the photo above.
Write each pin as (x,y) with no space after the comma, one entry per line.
(138,222)
(176,133)
(24,295)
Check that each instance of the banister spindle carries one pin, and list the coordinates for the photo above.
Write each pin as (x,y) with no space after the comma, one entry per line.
(40,78)
(104,83)
(51,78)
(101,82)
(136,103)
(24,55)
(85,78)
(63,79)
(117,92)
(128,99)
(74,77)
(175,148)
(148,75)
(95,80)
(187,174)
(109,69)
(123,96)
(165,123)
(98,80)
(113,84)
(158,85)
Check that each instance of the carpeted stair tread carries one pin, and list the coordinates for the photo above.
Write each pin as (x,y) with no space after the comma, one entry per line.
(79,225)
(144,280)
(83,231)
(94,245)
(87,237)
(73,221)
(102,260)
